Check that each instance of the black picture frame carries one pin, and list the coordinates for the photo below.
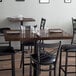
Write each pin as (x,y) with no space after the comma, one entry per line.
(44,1)
(0,0)
(20,0)
(67,1)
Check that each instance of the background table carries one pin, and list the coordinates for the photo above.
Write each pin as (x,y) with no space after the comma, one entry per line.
(21,21)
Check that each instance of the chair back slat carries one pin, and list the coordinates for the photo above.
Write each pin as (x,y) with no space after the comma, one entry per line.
(49,50)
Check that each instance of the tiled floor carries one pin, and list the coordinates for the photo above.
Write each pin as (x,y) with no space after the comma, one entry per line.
(19,70)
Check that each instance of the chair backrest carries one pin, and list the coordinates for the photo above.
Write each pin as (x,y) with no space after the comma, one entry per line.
(50,49)
(74,31)
(42,24)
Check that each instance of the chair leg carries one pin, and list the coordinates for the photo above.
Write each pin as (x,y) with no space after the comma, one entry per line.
(13,64)
(21,48)
(50,70)
(55,71)
(75,63)
(22,58)
(60,62)
(38,70)
(21,61)
(66,62)
(30,67)
(23,64)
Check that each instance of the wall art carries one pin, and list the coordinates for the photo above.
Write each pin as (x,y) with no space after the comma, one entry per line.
(20,0)
(67,1)
(44,1)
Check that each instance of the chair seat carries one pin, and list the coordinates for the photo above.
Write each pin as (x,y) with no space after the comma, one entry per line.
(44,59)
(6,50)
(68,47)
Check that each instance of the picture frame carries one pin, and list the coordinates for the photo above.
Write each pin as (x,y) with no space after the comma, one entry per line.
(44,1)
(67,1)
(20,0)
(0,0)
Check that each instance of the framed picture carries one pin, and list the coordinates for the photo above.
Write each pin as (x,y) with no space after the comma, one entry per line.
(67,1)
(0,0)
(44,1)
(20,0)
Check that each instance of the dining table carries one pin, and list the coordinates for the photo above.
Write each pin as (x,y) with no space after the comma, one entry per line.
(16,35)
(24,19)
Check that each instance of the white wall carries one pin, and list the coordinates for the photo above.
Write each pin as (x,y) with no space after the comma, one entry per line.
(57,13)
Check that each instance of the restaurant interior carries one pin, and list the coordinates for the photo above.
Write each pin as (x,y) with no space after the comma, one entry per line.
(37,38)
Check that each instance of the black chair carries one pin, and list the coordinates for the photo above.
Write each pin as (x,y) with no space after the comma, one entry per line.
(31,43)
(42,24)
(6,50)
(46,57)
(68,48)
(74,30)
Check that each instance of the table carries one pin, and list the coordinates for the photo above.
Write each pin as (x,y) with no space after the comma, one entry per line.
(21,21)
(15,35)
